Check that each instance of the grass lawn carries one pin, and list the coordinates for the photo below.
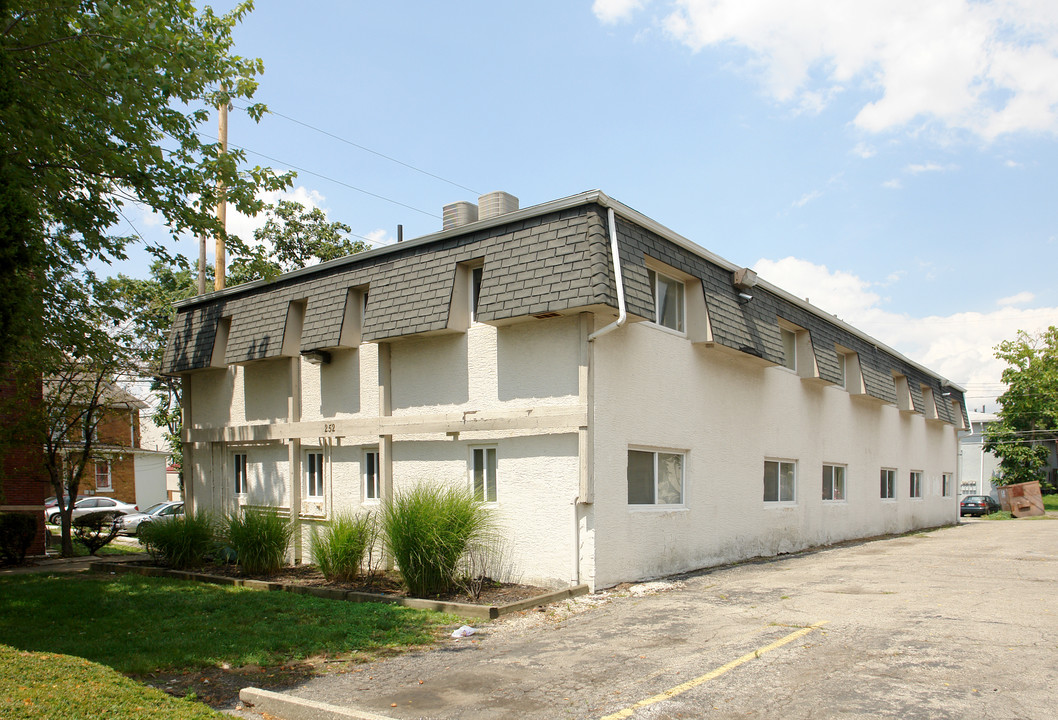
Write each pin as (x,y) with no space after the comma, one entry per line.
(47,686)
(1050,503)
(138,625)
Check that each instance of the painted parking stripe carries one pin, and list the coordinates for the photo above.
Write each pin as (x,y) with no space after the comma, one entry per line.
(684,687)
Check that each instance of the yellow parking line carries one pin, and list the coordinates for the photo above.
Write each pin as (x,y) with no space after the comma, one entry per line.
(684,687)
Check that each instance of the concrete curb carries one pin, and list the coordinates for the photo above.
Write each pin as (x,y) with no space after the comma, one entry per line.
(288,707)
(483,612)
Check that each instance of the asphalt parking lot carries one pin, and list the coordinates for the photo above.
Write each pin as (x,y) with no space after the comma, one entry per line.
(960,622)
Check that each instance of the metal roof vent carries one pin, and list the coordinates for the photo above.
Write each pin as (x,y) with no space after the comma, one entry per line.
(459,213)
(496,203)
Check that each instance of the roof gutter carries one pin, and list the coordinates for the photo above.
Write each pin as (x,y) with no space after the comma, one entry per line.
(622,310)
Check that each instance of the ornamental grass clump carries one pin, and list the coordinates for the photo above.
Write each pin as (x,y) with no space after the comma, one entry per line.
(181,542)
(341,549)
(428,530)
(260,538)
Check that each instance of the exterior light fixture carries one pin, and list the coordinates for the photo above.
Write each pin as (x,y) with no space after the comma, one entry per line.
(316,357)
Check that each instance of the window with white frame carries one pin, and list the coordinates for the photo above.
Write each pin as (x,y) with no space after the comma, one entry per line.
(834,482)
(916,484)
(843,370)
(483,473)
(668,297)
(314,474)
(780,481)
(371,481)
(947,484)
(103,480)
(655,478)
(239,465)
(888,484)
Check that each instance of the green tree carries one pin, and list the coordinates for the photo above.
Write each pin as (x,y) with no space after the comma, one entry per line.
(291,238)
(1027,428)
(101,104)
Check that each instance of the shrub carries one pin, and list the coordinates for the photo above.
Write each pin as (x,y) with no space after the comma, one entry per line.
(427,532)
(260,538)
(95,530)
(181,542)
(341,548)
(17,531)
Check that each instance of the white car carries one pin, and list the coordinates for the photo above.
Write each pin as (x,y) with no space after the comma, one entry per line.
(94,504)
(129,524)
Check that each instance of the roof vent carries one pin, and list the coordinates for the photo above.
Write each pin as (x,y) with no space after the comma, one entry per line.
(459,213)
(496,203)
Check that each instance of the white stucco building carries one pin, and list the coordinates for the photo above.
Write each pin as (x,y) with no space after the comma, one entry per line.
(624,414)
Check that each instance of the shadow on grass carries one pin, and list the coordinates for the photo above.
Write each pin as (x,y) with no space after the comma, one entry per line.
(139,625)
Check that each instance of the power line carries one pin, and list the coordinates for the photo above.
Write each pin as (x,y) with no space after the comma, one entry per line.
(367,149)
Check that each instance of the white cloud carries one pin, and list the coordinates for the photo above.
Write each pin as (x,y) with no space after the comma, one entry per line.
(613,11)
(985,66)
(379,237)
(959,347)
(1020,299)
(807,198)
(244,225)
(893,184)
(864,151)
(916,169)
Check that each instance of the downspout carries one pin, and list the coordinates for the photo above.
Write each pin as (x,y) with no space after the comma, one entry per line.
(576,542)
(622,315)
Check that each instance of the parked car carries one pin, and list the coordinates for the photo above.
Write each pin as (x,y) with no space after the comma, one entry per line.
(52,503)
(978,505)
(130,524)
(94,504)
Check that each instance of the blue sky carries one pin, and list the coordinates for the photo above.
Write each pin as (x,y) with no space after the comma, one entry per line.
(894,164)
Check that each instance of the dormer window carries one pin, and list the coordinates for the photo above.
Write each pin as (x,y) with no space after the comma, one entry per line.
(668,294)
(475,290)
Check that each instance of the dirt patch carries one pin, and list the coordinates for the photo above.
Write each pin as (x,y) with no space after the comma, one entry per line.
(487,592)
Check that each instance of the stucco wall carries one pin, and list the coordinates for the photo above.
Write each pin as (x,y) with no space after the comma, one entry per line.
(654,389)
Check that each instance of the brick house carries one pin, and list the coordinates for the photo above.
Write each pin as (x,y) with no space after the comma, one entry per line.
(23,481)
(626,403)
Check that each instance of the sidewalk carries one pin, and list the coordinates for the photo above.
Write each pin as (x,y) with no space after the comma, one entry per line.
(74,564)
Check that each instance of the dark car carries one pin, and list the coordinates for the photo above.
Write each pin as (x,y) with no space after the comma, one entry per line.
(977,505)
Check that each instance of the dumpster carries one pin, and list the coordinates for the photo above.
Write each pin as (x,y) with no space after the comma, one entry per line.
(1022,499)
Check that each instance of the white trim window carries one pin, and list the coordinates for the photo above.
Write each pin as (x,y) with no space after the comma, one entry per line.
(789,348)
(780,481)
(103,478)
(483,473)
(314,474)
(947,484)
(372,489)
(843,372)
(887,490)
(915,483)
(239,466)
(834,483)
(669,306)
(655,478)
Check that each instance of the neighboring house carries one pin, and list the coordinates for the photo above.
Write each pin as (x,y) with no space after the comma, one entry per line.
(172,483)
(623,417)
(23,480)
(977,467)
(122,469)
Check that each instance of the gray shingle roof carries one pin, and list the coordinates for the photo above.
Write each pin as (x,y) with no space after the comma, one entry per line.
(552,258)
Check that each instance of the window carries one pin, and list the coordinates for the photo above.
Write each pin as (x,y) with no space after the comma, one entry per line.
(916,484)
(371,486)
(239,462)
(779,481)
(483,471)
(833,482)
(655,478)
(668,301)
(888,490)
(842,370)
(475,291)
(314,475)
(103,475)
(947,483)
(789,348)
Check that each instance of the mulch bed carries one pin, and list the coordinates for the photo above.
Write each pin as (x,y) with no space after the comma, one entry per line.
(388,584)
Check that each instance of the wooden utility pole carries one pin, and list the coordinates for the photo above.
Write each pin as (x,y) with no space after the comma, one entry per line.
(202,264)
(222,204)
